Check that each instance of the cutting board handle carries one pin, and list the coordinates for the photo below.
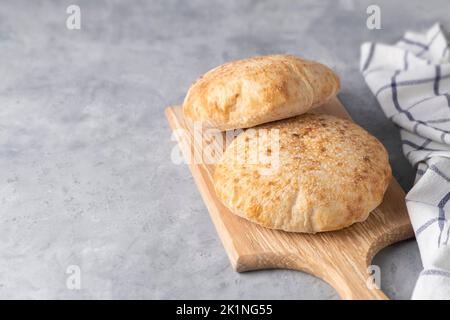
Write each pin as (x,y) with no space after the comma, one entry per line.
(349,276)
(339,258)
(352,281)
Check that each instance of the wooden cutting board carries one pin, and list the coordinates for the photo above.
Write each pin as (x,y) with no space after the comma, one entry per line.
(341,258)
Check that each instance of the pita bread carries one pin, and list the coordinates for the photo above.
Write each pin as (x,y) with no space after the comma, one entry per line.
(331,174)
(246,93)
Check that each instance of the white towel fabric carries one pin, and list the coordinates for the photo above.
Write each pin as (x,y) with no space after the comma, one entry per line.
(411,81)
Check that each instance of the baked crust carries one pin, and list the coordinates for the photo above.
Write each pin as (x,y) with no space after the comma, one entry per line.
(331,173)
(246,93)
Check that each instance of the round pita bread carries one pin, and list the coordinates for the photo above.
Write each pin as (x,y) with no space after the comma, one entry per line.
(329,173)
(249,92)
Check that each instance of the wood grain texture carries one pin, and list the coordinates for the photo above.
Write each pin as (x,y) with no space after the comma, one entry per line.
(341,258)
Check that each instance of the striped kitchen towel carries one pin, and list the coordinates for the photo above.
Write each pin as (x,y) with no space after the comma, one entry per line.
(411,81)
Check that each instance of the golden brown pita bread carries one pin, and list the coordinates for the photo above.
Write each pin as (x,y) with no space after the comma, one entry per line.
(330,174)
(246,93)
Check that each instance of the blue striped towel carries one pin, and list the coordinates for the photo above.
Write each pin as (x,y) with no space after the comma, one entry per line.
(411,81)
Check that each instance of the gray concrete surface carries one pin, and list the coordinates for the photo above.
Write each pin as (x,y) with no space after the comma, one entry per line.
(86,175)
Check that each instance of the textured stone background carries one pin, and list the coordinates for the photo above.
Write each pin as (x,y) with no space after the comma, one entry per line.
(85,150)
